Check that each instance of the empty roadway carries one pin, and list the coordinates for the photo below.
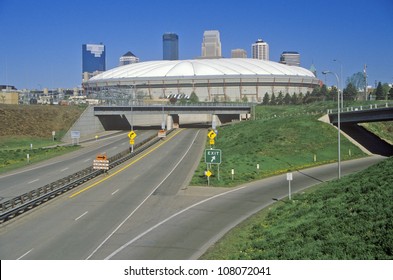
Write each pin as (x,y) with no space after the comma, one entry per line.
(37,175)
(144,210)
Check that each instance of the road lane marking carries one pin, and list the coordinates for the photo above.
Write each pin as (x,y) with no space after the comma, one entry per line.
(115,191)
(64,169)
(25,254)
(86,160)
(81,215)
(33,181)
(121,248)
(125,167)
(140,205)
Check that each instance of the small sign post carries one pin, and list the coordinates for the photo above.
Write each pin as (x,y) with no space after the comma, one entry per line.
(132,136)
(289,178)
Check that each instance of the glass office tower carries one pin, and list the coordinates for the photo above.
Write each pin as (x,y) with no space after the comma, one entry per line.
(93,58)
(170,43)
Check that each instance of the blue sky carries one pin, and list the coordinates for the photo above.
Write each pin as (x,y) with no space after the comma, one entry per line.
(41,40)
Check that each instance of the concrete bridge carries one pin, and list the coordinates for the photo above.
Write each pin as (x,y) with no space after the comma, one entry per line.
(363,114)
(351,116)
(97,119)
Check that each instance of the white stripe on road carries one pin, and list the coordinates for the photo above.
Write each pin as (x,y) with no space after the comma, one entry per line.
(64,169)
(24,255)
(115,191)
(81,215)
(33,181)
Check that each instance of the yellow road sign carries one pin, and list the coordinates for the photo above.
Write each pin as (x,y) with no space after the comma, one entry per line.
(132,141)
(211,141)
(211,134)
(132,134)
(208,173)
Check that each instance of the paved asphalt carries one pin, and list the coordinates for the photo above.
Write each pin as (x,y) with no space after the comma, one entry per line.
(37,175)
(144,210)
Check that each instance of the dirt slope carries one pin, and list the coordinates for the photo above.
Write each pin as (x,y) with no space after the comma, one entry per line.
(36,120)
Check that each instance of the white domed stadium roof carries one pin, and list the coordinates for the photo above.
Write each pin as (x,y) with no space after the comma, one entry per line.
(223,67)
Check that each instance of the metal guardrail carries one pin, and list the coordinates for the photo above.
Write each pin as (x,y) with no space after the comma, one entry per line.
(361,108)
(22,203)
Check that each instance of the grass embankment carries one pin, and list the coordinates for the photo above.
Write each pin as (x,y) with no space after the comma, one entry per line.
(347,219)
(23,125)
(282,139)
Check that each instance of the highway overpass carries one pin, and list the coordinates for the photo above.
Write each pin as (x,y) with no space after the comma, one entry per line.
(363,114)
(350,118)
(96,119)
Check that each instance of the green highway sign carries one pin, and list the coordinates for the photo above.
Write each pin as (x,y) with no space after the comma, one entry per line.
(213,156)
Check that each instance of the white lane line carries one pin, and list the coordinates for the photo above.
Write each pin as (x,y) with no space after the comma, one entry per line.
(115,191)
(24,255)
(86,160)
(81,215)
(139,206)
(64,169)
(115,147)
(33,181)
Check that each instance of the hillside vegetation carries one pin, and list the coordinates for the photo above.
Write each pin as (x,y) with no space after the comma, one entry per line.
(37,121)
(281,139)
(347,219)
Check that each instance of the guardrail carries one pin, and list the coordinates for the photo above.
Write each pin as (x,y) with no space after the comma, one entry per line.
(22,203)
(361,108)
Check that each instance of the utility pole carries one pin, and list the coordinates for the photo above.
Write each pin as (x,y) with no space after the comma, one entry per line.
(365,81)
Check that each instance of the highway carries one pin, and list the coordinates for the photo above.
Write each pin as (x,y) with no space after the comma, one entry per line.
(37,175)
(144,210)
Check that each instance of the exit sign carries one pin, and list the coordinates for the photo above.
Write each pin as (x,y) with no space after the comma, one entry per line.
(213,156)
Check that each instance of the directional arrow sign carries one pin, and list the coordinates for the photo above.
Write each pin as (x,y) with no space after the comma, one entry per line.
(213,156)
(211,134)
(132,135)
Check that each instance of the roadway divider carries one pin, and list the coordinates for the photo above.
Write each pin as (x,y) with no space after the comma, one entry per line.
(20,204)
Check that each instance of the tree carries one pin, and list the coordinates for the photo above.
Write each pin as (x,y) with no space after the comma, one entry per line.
(273,99)
(390,94)
(280,98)
(350,92)
(266,99)
(379,94)
(244,99)
(287,99)
(194,98)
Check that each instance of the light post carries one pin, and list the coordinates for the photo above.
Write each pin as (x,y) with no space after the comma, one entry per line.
(341,80)
(338,121)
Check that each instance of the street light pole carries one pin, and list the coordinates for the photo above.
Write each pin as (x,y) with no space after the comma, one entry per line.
(338,122)
(341,80)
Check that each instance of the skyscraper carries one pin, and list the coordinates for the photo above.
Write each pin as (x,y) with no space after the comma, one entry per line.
(170,43)
(93,60)
(128,58)
(260,50)
(238,53)
(211,45)
(290,58)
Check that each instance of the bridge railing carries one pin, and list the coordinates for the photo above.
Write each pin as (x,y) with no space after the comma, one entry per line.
(361,108)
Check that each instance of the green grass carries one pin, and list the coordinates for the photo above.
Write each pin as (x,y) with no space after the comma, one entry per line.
(284,138)
(347,219)
(14,150)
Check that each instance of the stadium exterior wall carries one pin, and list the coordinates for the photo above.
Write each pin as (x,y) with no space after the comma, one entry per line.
(229,88)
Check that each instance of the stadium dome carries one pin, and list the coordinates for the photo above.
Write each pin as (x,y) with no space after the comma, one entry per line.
(225,79)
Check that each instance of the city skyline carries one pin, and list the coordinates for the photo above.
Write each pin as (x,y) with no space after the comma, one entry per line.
(42,39)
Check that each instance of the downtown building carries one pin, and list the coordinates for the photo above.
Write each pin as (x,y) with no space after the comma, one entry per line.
(93,60)
(238,53)
(290,58)
(211,45)
(128,58)
(260,50)
(170,44)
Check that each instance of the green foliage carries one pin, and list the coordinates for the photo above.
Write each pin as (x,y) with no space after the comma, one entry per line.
(347,219)
(350,92)
(379,92)
(282,138)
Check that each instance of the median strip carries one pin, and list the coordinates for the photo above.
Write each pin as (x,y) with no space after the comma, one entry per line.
(125,167)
